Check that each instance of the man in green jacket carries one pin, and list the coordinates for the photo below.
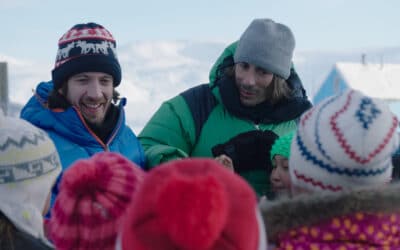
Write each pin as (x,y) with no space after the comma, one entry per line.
(253,96)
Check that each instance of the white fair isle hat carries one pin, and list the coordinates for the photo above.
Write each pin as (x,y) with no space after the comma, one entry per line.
(343,143)
(29,165)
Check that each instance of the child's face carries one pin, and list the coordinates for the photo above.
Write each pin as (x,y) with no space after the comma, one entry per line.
(280,177)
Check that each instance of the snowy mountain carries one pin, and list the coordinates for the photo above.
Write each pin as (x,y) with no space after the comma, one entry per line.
(156,71)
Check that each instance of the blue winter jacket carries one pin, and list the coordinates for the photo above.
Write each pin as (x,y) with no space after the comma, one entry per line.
(72,138)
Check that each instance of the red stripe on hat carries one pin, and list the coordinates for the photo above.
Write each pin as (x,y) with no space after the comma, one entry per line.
(306,116)
(316,183)
(85,34)
(347,147)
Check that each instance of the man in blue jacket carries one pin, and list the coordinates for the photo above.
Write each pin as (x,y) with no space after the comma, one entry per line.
(80,108)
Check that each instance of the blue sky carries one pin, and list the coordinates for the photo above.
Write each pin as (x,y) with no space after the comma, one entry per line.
(30,29)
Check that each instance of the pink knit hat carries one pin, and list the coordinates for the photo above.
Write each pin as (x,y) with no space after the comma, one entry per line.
(94,195)
(193,204)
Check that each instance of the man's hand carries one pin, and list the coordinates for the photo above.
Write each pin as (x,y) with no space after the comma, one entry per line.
(226,161)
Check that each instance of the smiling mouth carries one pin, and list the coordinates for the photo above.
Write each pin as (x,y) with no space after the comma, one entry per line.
(92,108)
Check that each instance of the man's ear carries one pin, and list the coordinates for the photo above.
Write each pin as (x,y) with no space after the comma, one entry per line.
(63,90)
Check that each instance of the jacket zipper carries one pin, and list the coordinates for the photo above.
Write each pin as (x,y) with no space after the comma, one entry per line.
(105,146)
(116,129)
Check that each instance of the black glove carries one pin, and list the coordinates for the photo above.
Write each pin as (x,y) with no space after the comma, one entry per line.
(249,150)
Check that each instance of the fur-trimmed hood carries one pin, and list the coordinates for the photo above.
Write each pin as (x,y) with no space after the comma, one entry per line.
(305,210)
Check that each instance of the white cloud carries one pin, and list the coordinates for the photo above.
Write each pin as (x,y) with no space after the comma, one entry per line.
(298,59)
(23,76)
(155,55)
(156,71)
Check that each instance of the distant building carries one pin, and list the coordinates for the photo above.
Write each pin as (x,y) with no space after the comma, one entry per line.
(376,80)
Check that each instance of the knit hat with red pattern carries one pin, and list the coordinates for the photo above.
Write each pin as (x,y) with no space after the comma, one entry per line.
(86,48)
(93,198)
(343,143)
(193,204)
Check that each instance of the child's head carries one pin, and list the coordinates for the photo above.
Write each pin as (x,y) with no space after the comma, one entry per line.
(345,142)
(93,198)
(193,204)
(280,154)
(29,166)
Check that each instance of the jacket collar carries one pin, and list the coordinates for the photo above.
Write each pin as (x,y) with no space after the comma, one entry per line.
(285,110)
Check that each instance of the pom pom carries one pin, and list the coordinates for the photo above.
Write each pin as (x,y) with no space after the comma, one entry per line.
(93,198)
(193,211)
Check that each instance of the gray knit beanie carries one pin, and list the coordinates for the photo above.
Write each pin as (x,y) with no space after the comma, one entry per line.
(268,45)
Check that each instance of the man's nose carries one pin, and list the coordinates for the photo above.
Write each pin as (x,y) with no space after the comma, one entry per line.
(249,78)
(94,89)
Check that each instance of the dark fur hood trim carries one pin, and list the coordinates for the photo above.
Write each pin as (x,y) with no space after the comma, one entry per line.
(282,215)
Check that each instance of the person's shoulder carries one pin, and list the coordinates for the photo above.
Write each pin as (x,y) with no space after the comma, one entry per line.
(228,52)
(127,130)
(197,90)
(43,89)
(200,98)
(28,242)
(36,110)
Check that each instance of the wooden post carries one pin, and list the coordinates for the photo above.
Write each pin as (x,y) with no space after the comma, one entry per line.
(3,87)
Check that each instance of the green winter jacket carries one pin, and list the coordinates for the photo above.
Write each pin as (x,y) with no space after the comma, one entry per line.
(170,133)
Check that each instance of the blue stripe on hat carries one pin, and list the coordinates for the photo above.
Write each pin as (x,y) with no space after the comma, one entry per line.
(342,171)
